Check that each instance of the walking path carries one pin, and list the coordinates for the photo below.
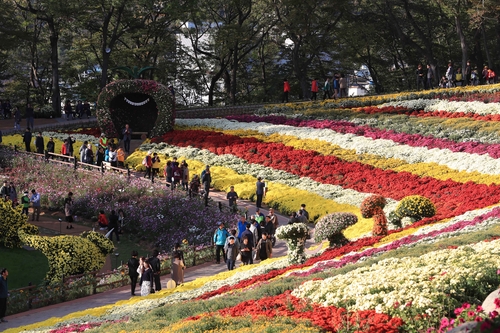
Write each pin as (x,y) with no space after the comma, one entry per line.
(49,221)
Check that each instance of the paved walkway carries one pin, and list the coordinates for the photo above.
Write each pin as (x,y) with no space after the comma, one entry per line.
(49,221)
(123,293)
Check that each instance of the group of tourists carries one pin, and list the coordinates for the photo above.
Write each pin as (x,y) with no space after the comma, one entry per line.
(147,271)
(8,192)
(81,110)
(454,76)
(252,240)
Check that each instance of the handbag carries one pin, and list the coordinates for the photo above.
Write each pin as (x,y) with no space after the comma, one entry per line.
(238,257)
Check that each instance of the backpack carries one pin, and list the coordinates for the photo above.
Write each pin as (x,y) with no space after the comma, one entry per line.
(145,161)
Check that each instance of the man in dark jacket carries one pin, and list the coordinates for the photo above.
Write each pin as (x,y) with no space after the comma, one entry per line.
(27,139)
(133,264)
(39,144)
(155,266)
(4,293)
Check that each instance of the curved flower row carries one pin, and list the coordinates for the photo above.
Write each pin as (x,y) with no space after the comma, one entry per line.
(414,140)
(241,166)
(431,105)
(451,198)
(430,282)
(329,318)
(428,234)
(324,148)
(460,129)
(381,147)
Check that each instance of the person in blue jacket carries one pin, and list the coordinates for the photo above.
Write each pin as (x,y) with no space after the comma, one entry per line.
(220,236)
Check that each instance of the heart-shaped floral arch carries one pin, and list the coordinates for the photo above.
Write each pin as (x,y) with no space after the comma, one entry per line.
(159,94)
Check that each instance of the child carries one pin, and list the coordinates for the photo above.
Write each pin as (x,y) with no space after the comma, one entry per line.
(231,252)
(25,201)
(120,155)
(102,220)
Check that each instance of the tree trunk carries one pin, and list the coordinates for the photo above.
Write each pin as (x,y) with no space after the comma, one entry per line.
(54,58)
(486,49)
(104,68)
(234,70)
(463,42)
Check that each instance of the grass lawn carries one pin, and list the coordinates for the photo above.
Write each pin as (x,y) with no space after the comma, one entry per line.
(24,266)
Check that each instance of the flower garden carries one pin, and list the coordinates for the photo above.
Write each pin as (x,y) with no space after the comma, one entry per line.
(423,165)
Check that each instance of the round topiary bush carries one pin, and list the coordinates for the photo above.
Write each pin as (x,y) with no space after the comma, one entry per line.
(416,207)
(331,226)
(373,206)
(11,221)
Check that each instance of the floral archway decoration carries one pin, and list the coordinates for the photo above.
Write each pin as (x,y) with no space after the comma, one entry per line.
(144,104)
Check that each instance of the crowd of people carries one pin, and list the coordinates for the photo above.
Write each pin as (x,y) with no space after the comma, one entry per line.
(454,76)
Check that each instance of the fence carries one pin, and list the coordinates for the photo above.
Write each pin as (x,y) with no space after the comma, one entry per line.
(217,112)
(82,285)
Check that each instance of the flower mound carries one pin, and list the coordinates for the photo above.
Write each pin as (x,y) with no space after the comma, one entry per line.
(331,226)
(373,207)
(415,207)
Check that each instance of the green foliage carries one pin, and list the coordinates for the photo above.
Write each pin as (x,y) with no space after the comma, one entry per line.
(415,207)
(12,221)
(69,255)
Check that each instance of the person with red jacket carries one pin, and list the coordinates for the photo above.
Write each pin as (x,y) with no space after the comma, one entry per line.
(286,90)
(148,163)
(314,89)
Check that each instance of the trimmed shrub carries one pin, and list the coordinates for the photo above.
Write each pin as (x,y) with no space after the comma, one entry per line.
(373,206)
(331,226)
(71,255)
(11,221)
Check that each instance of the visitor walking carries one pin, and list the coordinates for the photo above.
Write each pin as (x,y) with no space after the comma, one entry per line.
(146,279)
(264,248)
(430,77)
(127,136)
(206,180)
(156,268)
(232,252)
(220,237)
(27,136)
(260,187)
(113,226)
(286,90)
(133,265)
(178,265)
(68,203)
(327,89)
(148,163)
(343,85)
(13,194)
(35,201)
(185,175)
(314,89)
(4,293)
(25,201)
(232,196)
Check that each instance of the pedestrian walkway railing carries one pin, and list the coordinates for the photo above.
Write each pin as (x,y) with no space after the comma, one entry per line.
(73,161)
(82,285)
